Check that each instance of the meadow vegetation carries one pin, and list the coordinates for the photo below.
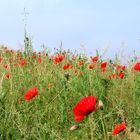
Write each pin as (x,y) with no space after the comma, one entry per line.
(61,81)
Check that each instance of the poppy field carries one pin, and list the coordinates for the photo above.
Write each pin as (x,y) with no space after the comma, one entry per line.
(68,96)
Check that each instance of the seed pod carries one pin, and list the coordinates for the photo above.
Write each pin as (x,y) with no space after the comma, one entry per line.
(100,105)
(131,129)
(74,127)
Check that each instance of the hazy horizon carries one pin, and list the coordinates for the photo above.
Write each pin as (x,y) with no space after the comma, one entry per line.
(101,25)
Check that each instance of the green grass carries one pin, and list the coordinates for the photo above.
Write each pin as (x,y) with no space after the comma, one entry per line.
(49,116)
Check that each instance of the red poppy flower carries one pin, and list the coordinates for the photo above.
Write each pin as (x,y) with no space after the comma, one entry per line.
(94,59)
(103,65)
(58,59)
(7,75)
(123,67)
(31,93)
(81,63)
(119,128)
(34,56)
(23,62)
(84,107)
(90,66)
(6,66)
(121,75)
(67,66)
(61,57)
(15,65)
(39,60)
(1,58)
(114,65)
(119,67)
(9,51)
(137,66)
(112,76)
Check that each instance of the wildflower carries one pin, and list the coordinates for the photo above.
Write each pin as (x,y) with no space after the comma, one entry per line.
(23,62)
(58,59)
(15,65)
(112,76)
(31,93)
(119,128)
(67,66)
(105,70)
(6,66)
(61,57)
(39,60)
(121,75)
(84,107)
(81,63)
(43,55)
(123,67)
(1,58)
(118,67)
(34,56)
(8,51)
(94,59)
(114,65)
(7,75)
(103,65)
(137,66)
(90,66)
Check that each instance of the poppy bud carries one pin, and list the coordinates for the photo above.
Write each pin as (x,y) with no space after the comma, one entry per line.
(74,127)
(100,105)
(131,129)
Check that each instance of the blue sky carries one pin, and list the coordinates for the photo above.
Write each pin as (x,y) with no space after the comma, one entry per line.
(111,26)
